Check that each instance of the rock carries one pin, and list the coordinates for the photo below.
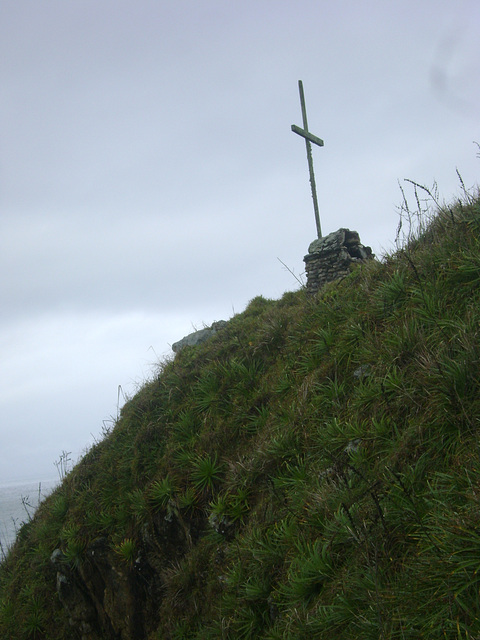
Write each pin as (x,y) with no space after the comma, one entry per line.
(103,596)
(363,371)
(336,241)
(219,523)
(353,446)
(197,337)
(193,339)
(82,615)
(57,557)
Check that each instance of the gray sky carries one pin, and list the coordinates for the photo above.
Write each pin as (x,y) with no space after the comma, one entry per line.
(149,180)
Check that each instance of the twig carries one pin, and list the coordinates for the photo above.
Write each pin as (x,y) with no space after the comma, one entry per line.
(62,464)
(293,274)
(433,196)
(27,505)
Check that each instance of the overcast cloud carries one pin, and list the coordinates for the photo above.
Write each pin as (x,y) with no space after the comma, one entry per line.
(149,180)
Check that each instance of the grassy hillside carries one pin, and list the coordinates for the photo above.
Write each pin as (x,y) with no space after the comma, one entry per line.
(312,471)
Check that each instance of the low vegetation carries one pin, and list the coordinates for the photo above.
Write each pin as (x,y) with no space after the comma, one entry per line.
(312,471)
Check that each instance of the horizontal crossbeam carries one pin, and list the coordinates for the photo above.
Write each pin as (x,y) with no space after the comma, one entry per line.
(307,135)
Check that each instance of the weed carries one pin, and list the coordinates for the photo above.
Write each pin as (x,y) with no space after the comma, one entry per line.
(74,552)
(64,464)
(307,574)
(188,500)
(161,492)
(257,420)
(126,551)
(238,504)
(34,624)
(206,392)
(207,471)
(391,294)
(138,505)
(185,428)
(59,507)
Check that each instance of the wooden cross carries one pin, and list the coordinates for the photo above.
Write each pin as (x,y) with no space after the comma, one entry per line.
(309,137)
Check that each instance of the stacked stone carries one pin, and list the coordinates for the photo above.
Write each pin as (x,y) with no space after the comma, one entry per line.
(332,257)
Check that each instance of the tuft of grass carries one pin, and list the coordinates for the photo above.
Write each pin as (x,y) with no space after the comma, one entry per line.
(307,575)
(126,550)
(162,492)
(206,472)
(74,553)
(188,500)
(59,507)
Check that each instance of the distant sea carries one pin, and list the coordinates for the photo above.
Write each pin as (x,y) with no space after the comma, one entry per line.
(18,503)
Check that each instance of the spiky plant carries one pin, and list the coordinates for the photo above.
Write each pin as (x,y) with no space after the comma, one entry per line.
(126,550)
(161,492)
(207,471)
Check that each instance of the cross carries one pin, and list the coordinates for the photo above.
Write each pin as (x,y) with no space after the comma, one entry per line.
(309,137)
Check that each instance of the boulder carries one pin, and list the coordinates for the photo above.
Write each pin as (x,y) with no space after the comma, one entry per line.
(197,337)
(340,240)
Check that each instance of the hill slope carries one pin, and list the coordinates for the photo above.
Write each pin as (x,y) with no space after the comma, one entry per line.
(311,471)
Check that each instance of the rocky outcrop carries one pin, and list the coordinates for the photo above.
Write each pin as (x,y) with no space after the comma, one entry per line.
(104,597)
(197,337)
(332,257)
(107,598)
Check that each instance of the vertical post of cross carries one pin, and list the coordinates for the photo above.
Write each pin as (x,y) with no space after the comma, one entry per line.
(309,138)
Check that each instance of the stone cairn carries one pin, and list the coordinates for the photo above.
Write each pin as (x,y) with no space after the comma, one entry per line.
(332,257)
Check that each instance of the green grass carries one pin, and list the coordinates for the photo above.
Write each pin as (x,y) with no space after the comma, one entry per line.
(311,471)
